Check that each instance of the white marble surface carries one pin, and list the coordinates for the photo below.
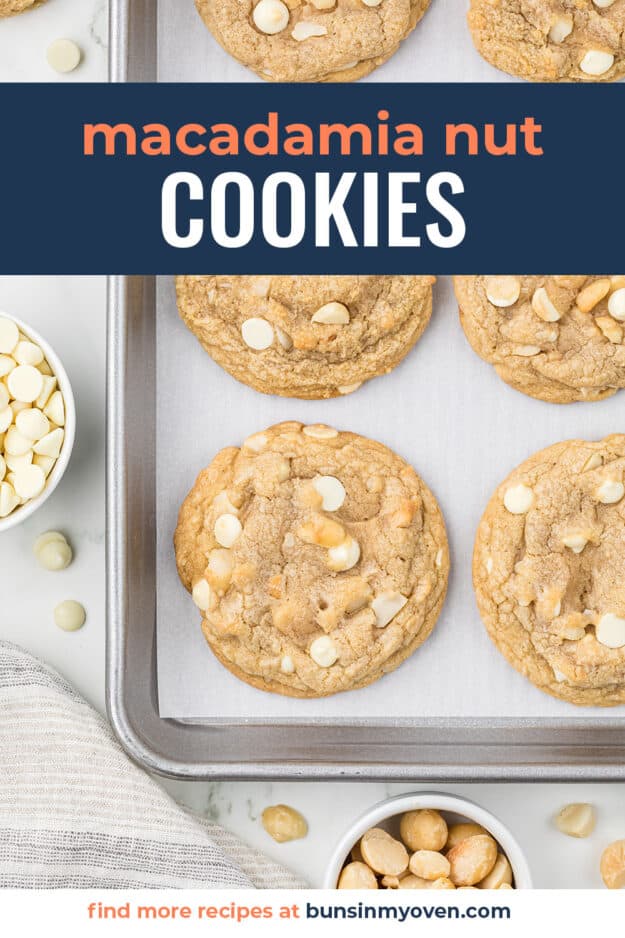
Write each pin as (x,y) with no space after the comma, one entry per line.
(70,312)
(25,38)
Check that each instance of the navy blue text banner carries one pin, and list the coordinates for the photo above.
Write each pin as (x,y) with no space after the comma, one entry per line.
(373,178)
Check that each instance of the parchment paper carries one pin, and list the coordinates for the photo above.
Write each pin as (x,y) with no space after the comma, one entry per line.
(439,49)
(443,410)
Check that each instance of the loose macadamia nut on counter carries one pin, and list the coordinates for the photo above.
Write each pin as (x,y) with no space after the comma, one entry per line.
(284,823)
(613,865)
(462,855)
(576,820)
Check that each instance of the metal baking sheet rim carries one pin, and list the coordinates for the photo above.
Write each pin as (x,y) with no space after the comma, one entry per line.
(483,750)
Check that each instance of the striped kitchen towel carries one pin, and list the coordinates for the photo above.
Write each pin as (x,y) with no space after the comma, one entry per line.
(75,812)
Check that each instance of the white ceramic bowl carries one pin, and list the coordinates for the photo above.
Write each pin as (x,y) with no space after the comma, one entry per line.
(387,813)
(25,511)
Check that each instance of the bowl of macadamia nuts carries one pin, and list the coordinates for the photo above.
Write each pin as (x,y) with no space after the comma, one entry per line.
(428,840)
(37,421)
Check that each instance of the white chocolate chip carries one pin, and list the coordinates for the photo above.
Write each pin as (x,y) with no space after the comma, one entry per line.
(518,499)
(332,314)
(616,305)
(372,3)
(331,490)
(261,286)
(7,364)
(25,383)
(286,665)
(271,16)
(559,676)
(503,291)
(543,307)
(527,351)
(323,652)
(32,424)
(257,333)
(603,4)
(438,560)
(50,444)
(29,482)
(15,444)
(46,463)
(318,431)
(223,505)
(70,615)
(8,499)
(9,335)
(610,492)
(201,595)
(55,409)
(4,398)
(227,530)
(305,30)
(561,28)
(349,388)
(6,419)
(386,606)
(345,556)
(49,384)
(610,630)
(323,4)
(596,62)
(575,541)
(63,55)
(52,551)
(27,353)
(593,462)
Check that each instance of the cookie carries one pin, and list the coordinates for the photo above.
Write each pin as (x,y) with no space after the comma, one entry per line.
(552,40)
(560,339)
(549,570)
(10,7)
(318,558)
(311,40)
(307,337)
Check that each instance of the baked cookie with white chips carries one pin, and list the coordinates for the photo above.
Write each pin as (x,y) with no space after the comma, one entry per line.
(557,338)
(11,7)
(552,40)
(306,336)
(318,559)
(311,40)
(549,570)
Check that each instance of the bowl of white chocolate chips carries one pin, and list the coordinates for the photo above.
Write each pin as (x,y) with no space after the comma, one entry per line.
(37,421)
(428,840)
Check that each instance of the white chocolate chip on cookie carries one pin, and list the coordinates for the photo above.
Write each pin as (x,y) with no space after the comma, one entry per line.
(201,595)
(610,630)
(616,305)
(518,499)
(344,556)
(318,431)
(575,541)
(227,530)
(271,16)
(323,652)
(257,333)
(331,491)
(503,291)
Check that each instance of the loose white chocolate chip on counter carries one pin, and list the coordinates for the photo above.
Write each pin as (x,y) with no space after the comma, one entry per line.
(53,551)
(518,499)
(64,55)
(32,417)
(284,823)
(576,820)
(613,865)
(70,615)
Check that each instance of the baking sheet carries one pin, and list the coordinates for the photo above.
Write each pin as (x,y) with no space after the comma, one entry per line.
(439,49)
(446,412)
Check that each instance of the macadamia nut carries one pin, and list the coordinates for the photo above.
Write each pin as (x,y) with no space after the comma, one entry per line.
(284,823)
